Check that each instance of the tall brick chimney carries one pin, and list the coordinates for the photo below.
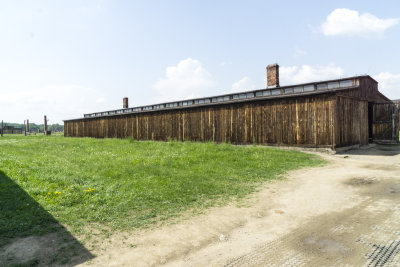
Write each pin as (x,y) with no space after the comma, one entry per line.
(125,102)
(273,75)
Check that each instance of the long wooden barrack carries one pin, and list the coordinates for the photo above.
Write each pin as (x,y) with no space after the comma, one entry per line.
(324,117)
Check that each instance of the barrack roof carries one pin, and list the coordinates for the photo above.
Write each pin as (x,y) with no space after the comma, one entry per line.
(320,87)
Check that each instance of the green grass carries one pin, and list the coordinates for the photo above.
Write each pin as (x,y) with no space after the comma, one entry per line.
(125,184)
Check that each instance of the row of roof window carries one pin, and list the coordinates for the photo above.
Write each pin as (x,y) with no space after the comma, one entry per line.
(260,93)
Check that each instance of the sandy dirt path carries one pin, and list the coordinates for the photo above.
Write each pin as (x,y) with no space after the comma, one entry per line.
(346,213)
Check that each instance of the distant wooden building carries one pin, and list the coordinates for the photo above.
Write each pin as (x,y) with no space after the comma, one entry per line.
(326,114)
(11,130)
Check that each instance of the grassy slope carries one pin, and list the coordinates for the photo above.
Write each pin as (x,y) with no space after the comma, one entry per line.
(123,184)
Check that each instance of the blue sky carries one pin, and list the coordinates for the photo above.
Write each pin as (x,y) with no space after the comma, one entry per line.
(65,58)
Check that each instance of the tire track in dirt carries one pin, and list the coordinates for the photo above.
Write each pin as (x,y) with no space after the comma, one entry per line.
(359,236)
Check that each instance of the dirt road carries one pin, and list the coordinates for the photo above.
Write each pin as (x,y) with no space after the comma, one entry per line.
(346,213)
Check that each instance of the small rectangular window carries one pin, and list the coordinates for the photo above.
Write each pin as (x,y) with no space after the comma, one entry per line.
(266,92)
(309,88)
(276,92)
(207,100)
(250,95)
(226,98)
(201,101)
(214,99)
(322,86)
(184,103)
(298,89)
(220,98)
(196,102)
(333,85)
(241,96)
(346,83)
(258,93)
(235,97)
(288,90)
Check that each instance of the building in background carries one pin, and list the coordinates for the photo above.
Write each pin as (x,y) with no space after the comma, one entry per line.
(12,130)
(324,114)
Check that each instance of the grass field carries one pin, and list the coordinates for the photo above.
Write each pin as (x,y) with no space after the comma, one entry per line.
(124,184)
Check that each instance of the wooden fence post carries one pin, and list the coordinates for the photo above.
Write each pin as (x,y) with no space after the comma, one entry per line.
(45,125)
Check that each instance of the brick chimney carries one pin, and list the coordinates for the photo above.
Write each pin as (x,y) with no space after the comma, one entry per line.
(273,75)
(125,102)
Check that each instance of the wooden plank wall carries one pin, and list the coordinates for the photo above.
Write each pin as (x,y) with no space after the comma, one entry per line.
(385,122)
(397,103)
(298,121)
(367,90)
(352,121)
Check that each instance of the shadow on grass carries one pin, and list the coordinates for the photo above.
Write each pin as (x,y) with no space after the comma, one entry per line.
(29,235)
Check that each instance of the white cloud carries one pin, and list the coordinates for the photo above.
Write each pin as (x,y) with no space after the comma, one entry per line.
(307,73)
(243,84)
(348,22)
(225,63)
(188,79)
(298,52)
(58,102)
(389,84)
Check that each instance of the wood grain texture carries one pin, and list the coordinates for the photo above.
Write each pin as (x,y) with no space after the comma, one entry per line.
(276,122)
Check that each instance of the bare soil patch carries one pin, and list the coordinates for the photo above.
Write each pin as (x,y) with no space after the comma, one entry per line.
(55,249)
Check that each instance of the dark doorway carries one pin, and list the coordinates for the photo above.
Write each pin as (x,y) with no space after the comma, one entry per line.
(370,120)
